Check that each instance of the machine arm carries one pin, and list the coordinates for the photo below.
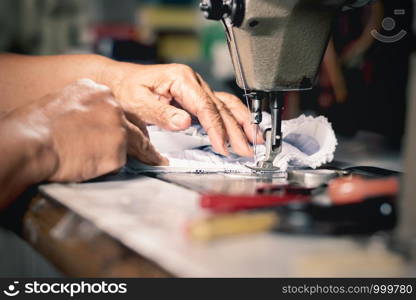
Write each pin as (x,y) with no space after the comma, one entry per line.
(275,46)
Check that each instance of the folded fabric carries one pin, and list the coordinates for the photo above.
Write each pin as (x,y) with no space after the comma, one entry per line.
(307,142)
(191,151)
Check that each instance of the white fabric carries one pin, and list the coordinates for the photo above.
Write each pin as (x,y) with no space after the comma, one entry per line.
(307,142)
(298,153)
(191,151)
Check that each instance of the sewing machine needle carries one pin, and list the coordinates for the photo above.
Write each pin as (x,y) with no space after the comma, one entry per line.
(255,142)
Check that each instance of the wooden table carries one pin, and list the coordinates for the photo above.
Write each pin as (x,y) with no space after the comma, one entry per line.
(78,248)
(83,251)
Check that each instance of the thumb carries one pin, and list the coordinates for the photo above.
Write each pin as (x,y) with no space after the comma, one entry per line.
(166,116)
(139,146)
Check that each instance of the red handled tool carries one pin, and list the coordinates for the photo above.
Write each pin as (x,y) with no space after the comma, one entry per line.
(229,203)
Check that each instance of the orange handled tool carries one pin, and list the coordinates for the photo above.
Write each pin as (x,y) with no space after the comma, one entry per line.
(355,189)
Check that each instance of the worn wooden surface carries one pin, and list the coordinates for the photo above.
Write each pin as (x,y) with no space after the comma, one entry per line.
(77,248)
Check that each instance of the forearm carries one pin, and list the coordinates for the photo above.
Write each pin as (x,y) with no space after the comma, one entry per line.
(24,160)
(374,23)
(25,78)
(336,77)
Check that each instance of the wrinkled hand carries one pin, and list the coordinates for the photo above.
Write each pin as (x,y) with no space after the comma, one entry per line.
(147,93)
(86,130)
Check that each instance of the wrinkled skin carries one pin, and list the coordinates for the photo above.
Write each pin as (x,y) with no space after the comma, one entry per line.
(147,92)
(85,130)
(75,135)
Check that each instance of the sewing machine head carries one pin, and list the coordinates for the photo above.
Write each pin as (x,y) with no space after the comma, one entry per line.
(275,45)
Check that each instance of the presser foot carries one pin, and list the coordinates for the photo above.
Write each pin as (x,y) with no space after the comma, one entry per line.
(266,165)
(263,167)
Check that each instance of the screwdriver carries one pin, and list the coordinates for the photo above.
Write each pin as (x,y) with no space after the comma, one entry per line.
(350,212)
(364,217)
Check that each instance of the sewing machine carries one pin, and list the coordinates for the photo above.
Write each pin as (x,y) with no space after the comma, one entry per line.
(275,46)
(116,231)
(278,46)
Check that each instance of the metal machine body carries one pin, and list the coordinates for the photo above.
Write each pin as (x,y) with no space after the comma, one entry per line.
(275,45)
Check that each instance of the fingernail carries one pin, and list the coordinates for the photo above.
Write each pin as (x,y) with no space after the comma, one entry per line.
(178,121)
(226,145)
(250,151)
(161,160)
(165,161)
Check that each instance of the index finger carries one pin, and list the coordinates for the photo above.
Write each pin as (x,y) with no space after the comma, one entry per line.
(190,94)
(242,114)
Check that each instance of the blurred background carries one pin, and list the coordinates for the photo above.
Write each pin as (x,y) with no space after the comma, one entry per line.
(364,85)
(364,76)
(366,81)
